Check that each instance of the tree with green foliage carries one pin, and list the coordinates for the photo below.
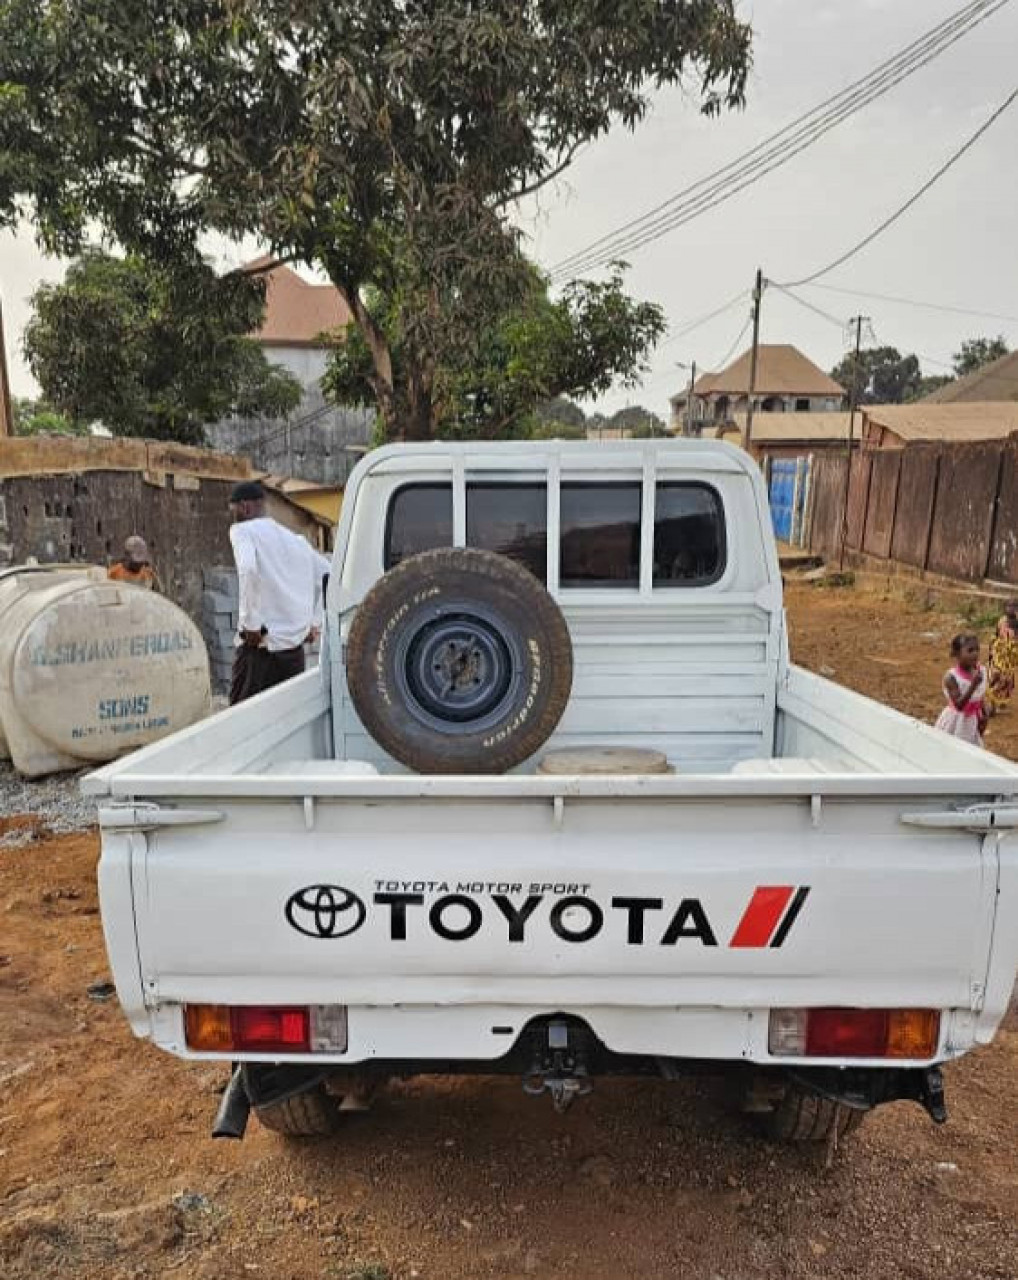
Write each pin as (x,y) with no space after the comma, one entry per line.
(539,349)
(928,384)
(559,419)
(977,352)
(384,142)
(151,351)
(639,422)
(881,376)
(37,418)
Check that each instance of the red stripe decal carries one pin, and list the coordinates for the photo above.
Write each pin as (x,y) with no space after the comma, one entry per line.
(761,917)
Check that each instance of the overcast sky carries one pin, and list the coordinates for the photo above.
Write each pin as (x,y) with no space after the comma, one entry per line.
(955,249)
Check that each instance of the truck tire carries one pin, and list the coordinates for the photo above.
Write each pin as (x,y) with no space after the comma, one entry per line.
(459,661)
(803,1116)
(310,1114)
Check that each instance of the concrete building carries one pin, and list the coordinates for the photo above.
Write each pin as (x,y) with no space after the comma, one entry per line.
(318,442)
(786,382)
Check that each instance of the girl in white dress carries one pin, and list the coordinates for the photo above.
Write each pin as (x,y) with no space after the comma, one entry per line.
(965,685)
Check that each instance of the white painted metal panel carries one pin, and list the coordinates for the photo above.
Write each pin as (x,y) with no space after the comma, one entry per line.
(891,917)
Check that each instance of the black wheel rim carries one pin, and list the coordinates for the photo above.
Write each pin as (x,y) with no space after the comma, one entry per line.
(458,670)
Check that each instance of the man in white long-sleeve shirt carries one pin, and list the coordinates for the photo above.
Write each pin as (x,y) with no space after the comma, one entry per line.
(280,579)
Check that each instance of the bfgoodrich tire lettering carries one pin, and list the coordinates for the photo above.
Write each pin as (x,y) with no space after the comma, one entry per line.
(459,661)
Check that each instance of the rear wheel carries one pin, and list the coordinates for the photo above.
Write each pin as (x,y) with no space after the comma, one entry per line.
(803,1116)
(312,1113)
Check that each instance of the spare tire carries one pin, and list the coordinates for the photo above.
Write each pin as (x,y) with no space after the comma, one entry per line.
(459,661)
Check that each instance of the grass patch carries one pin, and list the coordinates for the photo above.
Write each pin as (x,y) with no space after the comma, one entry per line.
(364,1271)
(975,614)
(842,578)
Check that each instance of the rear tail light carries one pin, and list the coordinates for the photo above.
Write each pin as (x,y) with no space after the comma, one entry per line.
(220,1028)
(271,1030)
(854,1033)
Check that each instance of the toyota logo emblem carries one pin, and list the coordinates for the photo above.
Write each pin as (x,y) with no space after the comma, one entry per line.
(325,911)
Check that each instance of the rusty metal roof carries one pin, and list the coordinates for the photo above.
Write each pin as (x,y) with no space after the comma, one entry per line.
(995,381)
(297,312)
(782,370)
(796,428)
(974,420)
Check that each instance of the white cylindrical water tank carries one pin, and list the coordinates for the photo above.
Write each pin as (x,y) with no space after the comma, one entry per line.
(91,669)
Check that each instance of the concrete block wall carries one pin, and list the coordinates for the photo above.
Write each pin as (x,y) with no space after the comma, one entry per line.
(218,622)
(86,517)
(319,442)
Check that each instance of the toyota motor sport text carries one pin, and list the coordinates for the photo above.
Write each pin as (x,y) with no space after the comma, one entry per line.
(456,912)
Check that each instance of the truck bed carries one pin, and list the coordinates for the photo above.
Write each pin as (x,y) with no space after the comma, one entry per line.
(899,912)
(827,741)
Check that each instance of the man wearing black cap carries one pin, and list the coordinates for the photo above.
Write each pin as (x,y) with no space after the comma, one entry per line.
(280,580)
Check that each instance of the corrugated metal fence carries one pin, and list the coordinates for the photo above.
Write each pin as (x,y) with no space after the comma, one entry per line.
(949,509)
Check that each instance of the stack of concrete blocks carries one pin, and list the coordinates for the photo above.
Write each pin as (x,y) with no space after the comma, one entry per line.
(219,607)
(219,623)
(6,542)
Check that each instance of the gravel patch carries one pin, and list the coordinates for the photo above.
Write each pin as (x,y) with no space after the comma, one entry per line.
(32,807)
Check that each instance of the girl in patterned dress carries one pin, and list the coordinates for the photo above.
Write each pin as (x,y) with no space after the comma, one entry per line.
(965,686)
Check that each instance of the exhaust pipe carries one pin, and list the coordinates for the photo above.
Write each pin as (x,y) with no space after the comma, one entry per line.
(234,1109)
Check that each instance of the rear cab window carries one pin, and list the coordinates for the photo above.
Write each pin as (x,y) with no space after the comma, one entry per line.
(689,534)
(600,527)
(512,519)
(599,538)
(419,519)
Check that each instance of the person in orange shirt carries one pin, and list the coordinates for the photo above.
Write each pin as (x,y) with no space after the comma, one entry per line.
(135,566)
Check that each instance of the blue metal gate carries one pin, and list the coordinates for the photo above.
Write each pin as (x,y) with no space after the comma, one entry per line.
(788,491)
(782,493)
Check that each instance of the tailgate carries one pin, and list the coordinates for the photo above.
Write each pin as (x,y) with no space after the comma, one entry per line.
(639,906)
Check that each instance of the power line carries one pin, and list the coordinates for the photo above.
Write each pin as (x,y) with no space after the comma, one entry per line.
(825,315)
(913,199)
(700,321)
(774,151)
(944,364)
(912,302)
(721,364)
(716,366)
(780,147)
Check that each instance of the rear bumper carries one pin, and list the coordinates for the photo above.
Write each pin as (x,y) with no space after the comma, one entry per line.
(485,1034)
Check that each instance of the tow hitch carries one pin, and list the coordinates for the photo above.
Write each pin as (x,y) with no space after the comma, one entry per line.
(559,1068)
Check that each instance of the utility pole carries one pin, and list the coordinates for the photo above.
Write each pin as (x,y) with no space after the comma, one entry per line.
(853,402)
(758,288)
(689,399)
(6,416)
(686,425)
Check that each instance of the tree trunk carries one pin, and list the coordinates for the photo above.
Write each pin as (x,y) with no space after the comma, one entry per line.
(417,424)
(381,358)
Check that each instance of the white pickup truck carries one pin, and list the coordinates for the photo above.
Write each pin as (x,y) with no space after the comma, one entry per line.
(802,886)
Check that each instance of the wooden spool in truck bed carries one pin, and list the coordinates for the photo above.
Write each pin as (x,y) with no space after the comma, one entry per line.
(604,760)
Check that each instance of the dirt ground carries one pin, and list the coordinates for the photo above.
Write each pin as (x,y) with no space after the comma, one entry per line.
(107,1169)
